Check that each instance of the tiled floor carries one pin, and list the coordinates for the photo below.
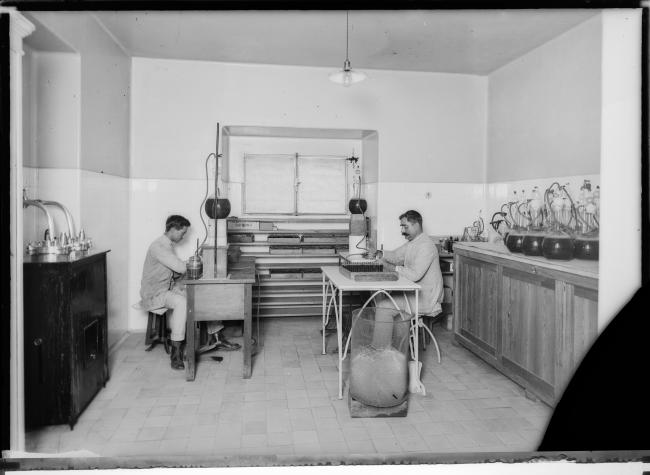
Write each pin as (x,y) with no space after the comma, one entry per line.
(289,406)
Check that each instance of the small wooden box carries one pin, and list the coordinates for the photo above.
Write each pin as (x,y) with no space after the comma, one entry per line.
(318,250)
(320,239)
(359,409)
(243,225)
(312,274)
(244,237)
(286,275)
(284,239)
(369,276)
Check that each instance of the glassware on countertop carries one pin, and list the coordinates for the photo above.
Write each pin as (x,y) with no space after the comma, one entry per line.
(532,242)
(587,241)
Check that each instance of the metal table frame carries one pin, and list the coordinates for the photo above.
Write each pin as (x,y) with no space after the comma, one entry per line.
(335,283)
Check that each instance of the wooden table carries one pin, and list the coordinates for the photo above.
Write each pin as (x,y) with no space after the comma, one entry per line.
(210,299)
(335,283)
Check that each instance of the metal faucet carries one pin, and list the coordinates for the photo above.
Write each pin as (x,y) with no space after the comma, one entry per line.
(39,204)
(68,216)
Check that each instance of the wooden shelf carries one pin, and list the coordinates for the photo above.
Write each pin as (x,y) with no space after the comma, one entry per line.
(266,254)
(298,294)
(301,244)
(292,219)
(289,231)
(289,282)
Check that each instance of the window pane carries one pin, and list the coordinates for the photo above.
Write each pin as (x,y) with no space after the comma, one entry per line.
(269,184)
(322,185)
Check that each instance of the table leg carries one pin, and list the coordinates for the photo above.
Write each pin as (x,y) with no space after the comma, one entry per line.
(331,299)
(190,349)
(417,321)
(248,331)
(324,316)
(339,336)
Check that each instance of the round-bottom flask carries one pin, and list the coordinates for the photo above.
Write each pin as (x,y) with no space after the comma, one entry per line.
(557,246)
(586,247)
(514,241)
(532,243)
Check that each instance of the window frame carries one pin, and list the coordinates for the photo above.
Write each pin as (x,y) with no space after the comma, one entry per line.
(296,183)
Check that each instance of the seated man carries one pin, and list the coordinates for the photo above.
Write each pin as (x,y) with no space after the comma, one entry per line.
(159,288)
(416,260)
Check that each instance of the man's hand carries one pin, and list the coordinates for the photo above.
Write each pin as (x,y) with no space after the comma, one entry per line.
(387,265)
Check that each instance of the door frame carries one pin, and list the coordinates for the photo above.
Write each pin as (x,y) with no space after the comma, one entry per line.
(14,28)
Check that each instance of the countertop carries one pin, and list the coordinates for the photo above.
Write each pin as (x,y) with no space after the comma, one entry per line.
(574,266)
(74,256)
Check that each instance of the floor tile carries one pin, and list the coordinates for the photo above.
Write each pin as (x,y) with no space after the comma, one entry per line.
(290,405)
(305,437)
(387,445)
(151,433)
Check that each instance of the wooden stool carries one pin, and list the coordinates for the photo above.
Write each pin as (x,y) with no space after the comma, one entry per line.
(157,329)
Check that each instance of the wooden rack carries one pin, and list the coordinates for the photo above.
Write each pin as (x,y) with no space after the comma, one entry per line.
(289,283)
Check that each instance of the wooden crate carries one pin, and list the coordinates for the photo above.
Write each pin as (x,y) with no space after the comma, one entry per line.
(322,239)
(243,225)
(359,409)
(246,237)
(369,276)
(318,250)
(284,239)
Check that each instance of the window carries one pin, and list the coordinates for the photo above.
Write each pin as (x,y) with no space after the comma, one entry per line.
(294,184)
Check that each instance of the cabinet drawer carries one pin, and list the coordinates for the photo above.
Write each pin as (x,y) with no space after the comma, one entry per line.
(218,302)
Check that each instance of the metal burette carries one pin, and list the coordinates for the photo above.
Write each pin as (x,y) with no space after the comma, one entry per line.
(216,197)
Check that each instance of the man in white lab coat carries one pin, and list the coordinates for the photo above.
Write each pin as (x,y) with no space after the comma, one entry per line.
(162,268)
(417,260)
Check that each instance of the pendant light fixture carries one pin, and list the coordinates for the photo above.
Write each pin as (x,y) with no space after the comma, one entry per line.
(346,76)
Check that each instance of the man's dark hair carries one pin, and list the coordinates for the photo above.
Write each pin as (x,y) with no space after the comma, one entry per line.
(176,221)
(412,216)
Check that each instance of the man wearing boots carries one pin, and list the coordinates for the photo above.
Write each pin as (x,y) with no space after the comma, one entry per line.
(159,288)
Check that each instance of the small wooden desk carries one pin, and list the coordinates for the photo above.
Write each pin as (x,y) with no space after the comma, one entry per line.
(210,299)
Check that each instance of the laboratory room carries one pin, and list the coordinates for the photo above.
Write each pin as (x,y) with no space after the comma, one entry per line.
(315,235)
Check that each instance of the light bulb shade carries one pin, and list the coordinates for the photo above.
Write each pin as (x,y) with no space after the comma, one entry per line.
(346,76)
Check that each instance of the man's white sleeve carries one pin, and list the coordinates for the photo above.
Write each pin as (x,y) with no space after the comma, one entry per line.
(167,258)
(420,265)
(396,257)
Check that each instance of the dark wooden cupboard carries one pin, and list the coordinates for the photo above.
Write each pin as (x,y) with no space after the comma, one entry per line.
(65,336)
(530,318)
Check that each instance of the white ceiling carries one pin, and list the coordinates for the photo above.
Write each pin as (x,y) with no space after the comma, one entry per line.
(467,41)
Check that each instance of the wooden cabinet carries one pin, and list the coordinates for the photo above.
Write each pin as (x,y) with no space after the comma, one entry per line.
(65,336)
(577,328)
(528,328)
(530,318)
(476,306)
(447,269)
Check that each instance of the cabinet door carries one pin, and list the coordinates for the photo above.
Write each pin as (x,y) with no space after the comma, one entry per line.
(528,346)
(476,306)
(46,345)
(88,309)
(578,328)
